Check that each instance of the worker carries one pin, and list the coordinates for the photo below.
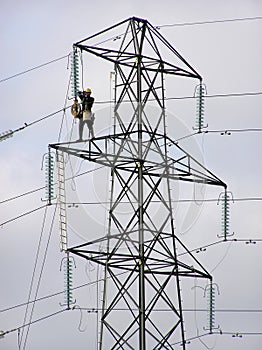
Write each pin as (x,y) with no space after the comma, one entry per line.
(86,116)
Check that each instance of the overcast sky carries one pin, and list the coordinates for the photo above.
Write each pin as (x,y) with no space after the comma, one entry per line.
(228,57)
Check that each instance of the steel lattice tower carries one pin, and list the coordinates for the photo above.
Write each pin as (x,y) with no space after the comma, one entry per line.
(141,241)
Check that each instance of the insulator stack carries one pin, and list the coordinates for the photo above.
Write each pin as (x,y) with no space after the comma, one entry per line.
(200,94)
(68,275)
(74,73)
(6,135)
(226,197)
(211,308)
(49,172)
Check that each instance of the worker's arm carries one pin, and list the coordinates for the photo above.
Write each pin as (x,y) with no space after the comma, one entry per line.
(80,94)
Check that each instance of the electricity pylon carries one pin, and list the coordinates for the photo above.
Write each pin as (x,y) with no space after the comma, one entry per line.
(142,304)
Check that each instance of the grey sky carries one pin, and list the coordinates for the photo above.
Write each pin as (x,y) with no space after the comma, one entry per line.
(228,57)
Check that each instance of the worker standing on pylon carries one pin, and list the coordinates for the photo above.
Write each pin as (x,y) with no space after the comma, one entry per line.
(86,116)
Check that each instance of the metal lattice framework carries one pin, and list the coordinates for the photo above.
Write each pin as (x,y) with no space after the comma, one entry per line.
(142,306)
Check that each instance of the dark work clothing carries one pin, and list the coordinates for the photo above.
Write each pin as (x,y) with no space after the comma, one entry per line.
(86,104)
(86,101)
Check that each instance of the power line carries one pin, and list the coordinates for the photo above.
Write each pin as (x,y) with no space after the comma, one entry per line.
(20,339)
(229,131)
(41,188)
(34,272)
(232,310)
(73,204)
(33,191)
(237,334)
(157,27)
(232,240)
(22,195)
(220,332)
(100,280)
(233,94)
(199,249)
(188,340)
(8,134)
(32,322)
(34,68)
(57,293)
(116,37)
(40,275)
(209,22)
(47,116)
(173,201)
(185,310)
(22,215)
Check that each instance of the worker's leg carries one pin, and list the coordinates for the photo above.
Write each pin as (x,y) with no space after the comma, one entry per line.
(90,127)
(81,126)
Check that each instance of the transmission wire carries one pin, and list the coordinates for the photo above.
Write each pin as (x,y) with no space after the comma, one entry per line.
(22,215)
(33,275)
(128,101)
(101,279)
(33,322)
(157,27)
(104,203)
(37,255)
(209,22)
(196,23)
(31,69)
(40,276)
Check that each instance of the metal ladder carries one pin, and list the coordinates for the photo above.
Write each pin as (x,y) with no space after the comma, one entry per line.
(61,200)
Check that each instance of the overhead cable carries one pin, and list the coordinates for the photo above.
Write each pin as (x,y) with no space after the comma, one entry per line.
(197,250)
(104,203)
(41,188)
(237,334)
(34,68)
(94,309)
(9,133)
(234,94)
(22,215)
(3,333)
(157,27)
(229,131)
(59,293)
(40,275)
(33,275)
(173,201)
(21,195)
(116,37)
(209,22)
